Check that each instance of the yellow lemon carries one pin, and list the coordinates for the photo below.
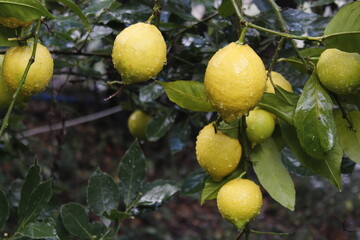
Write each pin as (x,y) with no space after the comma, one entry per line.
(139,53)
(239,201)
(137,123)
(217,153)
(39,75)
(339,71)
(235,80)
(12,22)
(278,80)
(260,126)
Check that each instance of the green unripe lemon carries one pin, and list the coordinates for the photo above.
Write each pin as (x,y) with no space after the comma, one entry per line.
(239,201)
(39,75)
(217,153)
(339,71)
(139,53)
(137,124)
(260,126)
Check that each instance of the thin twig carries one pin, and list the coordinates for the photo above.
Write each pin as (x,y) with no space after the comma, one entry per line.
(269,233)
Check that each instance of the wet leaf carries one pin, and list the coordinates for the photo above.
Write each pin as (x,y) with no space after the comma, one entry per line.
(226,8)
(160,124)
(273,175)
(40,230)
(25,10)
(179,136)
(132,172)
(116,215)
(194,182)
(150,92)
(4,209)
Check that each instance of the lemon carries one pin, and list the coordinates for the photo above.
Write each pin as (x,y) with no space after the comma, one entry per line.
(339,71)
(139,53)
(260,126)
(239,201)
(39,75)
(5,92)
(12,22)
(278,80)
(217,153)
(235,80)
(137,123)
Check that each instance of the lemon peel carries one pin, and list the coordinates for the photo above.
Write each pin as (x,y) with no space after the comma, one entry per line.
(239,201)
(137,123)
(260,126)
(235,80)
(139,53)
(278,80)
(339,71)
(217,153)
(39,75)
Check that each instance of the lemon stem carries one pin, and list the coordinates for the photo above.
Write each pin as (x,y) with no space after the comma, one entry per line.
(244,143)
(242,36)
(273,61)
(156,11)
(22,81)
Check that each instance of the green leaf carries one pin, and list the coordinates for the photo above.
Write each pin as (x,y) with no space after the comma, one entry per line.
(25,10)
(349,137)
(194,182)
(156,194)
(188,94)
(132,172)
(314,120)
(346,20)
(76,220)
(230,129)
(39,230)
(116,215)
(212,188)
(282,104)
(273,175)
(32,181)
(5,34)
(307,53)
(159,125)
(4,209)
(37,201)
(226,8)
(150,92)
(179,136)
(328,167)
(102,193)
(98,7)
(76,9)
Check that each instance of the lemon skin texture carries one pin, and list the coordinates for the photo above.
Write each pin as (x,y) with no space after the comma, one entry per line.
(137,124)
(235,80)
(260,126)
(139,53)
(278,80)
(39,75)
(217,153)
(239,201)
(339,71)
(12,22)
(5,93)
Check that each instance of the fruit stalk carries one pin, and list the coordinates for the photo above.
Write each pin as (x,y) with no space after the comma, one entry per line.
(273,61)
(156,11)
(31,61)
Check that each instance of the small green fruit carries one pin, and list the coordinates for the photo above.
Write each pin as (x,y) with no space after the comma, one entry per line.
(137,124)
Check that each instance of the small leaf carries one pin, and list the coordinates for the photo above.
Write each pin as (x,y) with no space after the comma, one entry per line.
(4,209)
(132,172)
(116,215)
(226,8)
(188,94)
(150,92)
(102,193)
(314,120)
(76,220)
(346,20)
(76,9)
(349,137)
(39,230)
(212,188)
(25,10)
(273,175)
(156,194)
(37,201)
(179,136)
(159,125)
(328,167)
(194,182)
(32,180)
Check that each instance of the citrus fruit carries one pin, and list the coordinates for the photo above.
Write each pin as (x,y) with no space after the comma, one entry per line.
(217,153)
(278,80)
(5,92)
(339,71)
(239,201)
(235,80)
(12,22)
(39,75)
(137,123)
(139,53)
(260,126)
